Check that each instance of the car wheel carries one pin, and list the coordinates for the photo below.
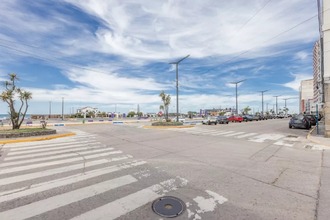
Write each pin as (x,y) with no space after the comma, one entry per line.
(209,123)
(227,122)
(290,126)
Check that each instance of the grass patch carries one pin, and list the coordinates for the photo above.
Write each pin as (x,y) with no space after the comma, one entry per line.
(172,123)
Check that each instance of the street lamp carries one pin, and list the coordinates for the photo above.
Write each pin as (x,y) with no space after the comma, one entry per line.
(62,108)
(262,101)
(236,93)
(177,85)
(276,102)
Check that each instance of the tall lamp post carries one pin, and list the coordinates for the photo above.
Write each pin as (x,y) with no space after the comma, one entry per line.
(50,109)
(262,101)
(276,102)
(62,108)
(236,93)
(177,84)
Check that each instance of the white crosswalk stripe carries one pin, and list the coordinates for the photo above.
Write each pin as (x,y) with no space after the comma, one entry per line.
(250,136)
(55,175)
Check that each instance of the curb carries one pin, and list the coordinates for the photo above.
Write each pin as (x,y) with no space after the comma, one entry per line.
(37,138)
(162,127)
(309,137)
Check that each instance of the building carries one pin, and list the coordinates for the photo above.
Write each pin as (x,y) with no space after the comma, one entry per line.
(325,37)
(317,77)
(87,109)
(307,96)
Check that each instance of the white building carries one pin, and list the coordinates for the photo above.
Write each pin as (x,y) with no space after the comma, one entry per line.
(87,109)
(307,96)
(317,77)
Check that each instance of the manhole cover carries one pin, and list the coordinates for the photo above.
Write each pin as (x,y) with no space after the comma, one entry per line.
(168,206)
(292,136)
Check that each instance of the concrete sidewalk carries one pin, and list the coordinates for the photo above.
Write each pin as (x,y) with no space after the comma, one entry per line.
(316,135)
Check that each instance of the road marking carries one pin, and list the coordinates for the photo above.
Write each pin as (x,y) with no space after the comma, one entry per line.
(44,145)
(49,172)
(58,162)
(246,135)
(131,202)
(72,153)
(237,133)
(282,143)
(42,206)
(226,132)
(40,187)
(264,137)
(49,148)
(46,153)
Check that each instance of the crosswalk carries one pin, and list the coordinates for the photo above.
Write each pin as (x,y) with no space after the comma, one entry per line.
(76,178)
(278,139)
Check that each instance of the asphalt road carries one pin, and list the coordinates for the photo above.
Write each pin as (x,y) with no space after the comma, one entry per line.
(254,170)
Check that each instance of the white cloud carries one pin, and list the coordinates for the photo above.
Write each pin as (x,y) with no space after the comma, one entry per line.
(302,55)
(295,83)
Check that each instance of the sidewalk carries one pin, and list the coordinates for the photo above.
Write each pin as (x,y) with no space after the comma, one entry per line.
(316,135)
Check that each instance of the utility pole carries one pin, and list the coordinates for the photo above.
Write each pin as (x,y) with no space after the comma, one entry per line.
(262,101)
(50,109)
(177,85)
(276,103)
(236,93)
(62,108)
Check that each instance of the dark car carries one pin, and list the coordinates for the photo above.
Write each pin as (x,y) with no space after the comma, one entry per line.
(299,121)
(311,119)
(247,118)
(222,120)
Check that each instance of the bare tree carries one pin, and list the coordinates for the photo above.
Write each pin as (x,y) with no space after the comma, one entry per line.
(11,93)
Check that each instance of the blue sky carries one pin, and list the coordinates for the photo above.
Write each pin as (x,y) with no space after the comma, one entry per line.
(116,54)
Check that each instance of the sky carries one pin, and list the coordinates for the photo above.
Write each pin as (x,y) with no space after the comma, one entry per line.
(115,55)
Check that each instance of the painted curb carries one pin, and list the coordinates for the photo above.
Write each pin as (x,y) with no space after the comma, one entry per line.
(37,138)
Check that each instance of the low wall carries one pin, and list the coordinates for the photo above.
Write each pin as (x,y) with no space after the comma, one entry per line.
(27,134)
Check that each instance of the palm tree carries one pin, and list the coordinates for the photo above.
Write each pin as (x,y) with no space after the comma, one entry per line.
(166,99)
(246,110)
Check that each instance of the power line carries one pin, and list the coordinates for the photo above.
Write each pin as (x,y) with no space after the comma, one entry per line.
(246,51)
(255,14)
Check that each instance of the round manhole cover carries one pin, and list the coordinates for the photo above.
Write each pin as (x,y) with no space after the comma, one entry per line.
(168,206)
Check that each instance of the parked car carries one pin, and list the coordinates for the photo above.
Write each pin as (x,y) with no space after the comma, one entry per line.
(222,120)
(210,120)
(247,118)
(235,118)
(311,119)
(299,121)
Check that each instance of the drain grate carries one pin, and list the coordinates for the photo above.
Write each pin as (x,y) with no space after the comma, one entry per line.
(168,206)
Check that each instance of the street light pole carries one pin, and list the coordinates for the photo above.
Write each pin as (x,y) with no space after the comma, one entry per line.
(50,109)
(62,108)
(236,93)
(177,84)
(276,102)
(262,101)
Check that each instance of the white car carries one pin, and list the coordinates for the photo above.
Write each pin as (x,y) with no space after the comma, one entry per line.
(210,120)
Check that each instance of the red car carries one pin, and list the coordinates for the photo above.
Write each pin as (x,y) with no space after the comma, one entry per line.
(235,118)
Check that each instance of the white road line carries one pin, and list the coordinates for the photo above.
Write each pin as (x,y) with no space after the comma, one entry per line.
(226,132)
(72,153)
(49,146)
(49,172)
(58,162)
(246,135)
(47,143)
(131,202)
(46,152)
(41,187)
(263,137)
(237,133)
(58,201)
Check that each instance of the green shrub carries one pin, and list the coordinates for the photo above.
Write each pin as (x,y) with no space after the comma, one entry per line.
(161,123)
